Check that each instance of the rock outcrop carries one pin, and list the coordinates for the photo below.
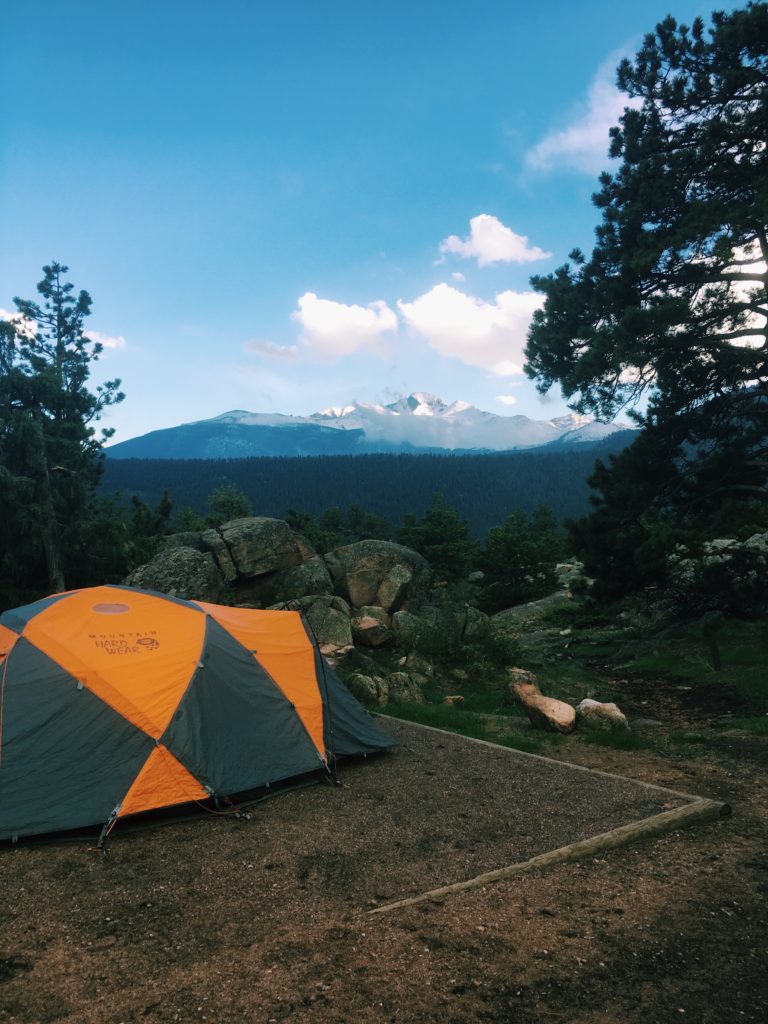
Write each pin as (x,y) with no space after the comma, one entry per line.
(377,572)
(329,617)
(254,546)
(403,687)
(355,598)
(311,577)
(181,572)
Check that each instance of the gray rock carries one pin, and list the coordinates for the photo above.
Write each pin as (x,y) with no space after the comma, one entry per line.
(256,545)
(403,687)
(472,623)
(601,716)
(311,577)
(362,662)
(435,619)
(372,689)
(371,627)
(407,628)
(213,541)
(393,589)
(329,617)
(181,572)
(418,663)
(511,622)
(376,612)
(377,572)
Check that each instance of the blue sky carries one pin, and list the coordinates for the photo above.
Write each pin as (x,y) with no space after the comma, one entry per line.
(282,207)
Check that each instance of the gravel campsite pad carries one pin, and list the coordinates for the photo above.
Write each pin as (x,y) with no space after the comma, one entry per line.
(174,910)
(439,810)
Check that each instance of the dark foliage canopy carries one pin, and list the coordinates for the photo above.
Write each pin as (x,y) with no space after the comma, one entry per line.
(671,308)
(483,489)
(674,299)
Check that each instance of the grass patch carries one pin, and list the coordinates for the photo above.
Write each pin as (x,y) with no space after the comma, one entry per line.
(684,654)
(618,740)
(758,726)
(577,615)
(684,736)
(465,723)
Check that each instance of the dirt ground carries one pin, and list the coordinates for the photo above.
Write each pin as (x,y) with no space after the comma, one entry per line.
(266,921)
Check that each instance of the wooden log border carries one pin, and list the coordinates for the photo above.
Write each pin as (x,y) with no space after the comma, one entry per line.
(694,811)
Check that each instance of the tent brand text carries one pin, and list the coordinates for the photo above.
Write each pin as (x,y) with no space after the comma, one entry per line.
(125,644)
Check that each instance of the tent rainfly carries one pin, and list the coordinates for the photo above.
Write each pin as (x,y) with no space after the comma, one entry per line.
(115,701)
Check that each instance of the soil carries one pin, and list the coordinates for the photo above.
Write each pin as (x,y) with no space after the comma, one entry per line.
(266,921)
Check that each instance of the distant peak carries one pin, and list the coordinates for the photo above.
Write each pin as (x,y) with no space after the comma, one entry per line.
(337,411)
(571,421)
(419,403)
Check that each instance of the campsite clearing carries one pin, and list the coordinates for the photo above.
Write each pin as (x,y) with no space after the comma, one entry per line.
(267,921)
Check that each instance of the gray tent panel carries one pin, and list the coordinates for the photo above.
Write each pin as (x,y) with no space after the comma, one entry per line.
(234,729)
(67,758)
(349,729)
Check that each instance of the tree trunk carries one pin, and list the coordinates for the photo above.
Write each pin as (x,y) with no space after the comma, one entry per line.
(49,526)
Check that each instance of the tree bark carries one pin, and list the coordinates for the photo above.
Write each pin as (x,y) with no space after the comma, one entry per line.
(48,523)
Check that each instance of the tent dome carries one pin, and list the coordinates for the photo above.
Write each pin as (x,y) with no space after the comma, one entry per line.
(115,700)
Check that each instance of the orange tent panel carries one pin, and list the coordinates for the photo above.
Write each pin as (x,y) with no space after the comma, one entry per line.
(162,782)
(7,639)
(136,653)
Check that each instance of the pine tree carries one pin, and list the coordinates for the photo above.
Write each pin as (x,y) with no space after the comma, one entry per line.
(672,305)
(227,502)
(674,298)
(48,445)
(442,537)
(519,557)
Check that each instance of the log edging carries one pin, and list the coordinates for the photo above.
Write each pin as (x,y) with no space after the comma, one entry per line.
(695,810)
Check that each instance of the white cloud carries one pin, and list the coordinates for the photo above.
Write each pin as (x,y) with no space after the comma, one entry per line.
(507,399)
(26,328)
(106,340)
(270,350)
(332,329)
(489,242)
(491,335)
(583,145)
(458,276)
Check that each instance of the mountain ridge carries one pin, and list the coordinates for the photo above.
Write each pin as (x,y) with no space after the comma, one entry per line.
(420,423)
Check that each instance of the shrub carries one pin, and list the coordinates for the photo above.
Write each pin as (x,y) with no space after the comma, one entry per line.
(724,574)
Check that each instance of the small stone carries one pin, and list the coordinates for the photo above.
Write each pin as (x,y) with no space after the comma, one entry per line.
(602,716)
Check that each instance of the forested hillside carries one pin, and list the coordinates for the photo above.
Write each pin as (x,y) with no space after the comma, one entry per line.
(484,489)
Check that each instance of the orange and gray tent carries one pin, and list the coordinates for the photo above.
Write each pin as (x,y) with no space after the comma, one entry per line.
(115,701)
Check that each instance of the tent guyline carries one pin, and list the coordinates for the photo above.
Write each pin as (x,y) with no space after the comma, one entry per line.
(116,701)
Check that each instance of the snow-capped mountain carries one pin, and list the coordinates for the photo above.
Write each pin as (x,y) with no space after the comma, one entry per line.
(425,421)
(419,422)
